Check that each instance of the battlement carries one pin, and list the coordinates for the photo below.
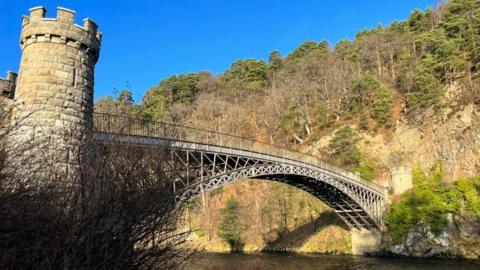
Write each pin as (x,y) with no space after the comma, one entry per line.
(62,29)
(8,84)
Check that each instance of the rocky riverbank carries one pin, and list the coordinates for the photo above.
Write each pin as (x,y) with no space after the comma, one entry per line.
(460,239)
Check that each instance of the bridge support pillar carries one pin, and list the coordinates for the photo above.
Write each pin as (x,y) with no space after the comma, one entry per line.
(364,241)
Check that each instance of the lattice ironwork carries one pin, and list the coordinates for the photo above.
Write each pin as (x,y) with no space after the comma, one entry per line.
(204,160)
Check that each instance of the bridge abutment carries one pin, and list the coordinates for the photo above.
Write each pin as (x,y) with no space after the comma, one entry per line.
(365,241)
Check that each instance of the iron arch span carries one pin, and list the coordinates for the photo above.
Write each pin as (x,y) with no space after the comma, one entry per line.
(348,205)
(203,162)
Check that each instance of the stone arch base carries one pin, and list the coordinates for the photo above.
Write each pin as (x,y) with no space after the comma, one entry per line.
(365,242)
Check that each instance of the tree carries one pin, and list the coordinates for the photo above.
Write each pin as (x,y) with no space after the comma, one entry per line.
(418,22)
(250,75)
(324,117)
(275,61)
(469,193)
(309,49)
(427,89)
(344,147)
(159,100)
(230,229)
(363,124)
(106,105)
(181,88)
(125,98)
(275,64)
(462,21)
(445,53)
(292,123)
(113,214)
(156,107)
(405,66)
(372,96)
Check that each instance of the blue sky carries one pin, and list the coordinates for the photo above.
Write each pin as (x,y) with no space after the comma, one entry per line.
(146,41)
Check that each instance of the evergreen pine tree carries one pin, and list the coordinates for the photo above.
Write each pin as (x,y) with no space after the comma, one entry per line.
(231,228)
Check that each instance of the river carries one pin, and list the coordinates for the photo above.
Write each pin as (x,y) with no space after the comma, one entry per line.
(320,262)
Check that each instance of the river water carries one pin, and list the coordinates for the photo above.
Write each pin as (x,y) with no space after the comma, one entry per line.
(320,262)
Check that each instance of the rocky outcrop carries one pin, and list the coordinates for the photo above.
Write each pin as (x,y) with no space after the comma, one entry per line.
(461,239)
(450,136)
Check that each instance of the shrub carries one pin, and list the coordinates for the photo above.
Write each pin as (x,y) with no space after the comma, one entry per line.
(429,202)
(114,215)
(366,172)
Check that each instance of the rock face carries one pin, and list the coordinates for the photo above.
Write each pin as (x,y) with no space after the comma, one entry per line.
(451,137)
(460,239)
(401,180)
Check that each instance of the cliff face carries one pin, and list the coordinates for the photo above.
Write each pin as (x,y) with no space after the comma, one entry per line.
(450,135)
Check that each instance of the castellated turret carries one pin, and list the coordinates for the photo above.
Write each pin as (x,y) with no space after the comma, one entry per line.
(7,85)
(54,92)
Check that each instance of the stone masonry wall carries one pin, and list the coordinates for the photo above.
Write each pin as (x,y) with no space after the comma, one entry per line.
(54,94)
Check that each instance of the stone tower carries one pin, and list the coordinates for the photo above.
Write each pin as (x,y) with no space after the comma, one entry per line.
(54,92)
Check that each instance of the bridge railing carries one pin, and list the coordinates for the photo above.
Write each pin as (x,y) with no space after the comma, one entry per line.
(138,127)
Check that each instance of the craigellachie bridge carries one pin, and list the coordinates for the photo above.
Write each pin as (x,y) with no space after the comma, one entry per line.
(54,91)
(205,160)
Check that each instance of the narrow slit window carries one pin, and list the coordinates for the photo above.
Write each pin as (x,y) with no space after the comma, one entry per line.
(74,80)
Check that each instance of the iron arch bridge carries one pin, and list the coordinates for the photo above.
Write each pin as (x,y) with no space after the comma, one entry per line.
(203,160)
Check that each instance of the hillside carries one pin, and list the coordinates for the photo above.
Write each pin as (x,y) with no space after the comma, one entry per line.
(273,217)
(393,99)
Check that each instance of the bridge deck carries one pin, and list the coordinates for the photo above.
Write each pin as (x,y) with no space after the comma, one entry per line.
(156,133)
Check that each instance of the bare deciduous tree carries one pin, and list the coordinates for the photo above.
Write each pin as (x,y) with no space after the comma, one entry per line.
(118,211)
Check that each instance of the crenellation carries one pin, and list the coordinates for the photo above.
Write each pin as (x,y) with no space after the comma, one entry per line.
(99,36)
(37,13)
(90,26)
(61,30)
(12,77)
(65,15)
(25,20)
